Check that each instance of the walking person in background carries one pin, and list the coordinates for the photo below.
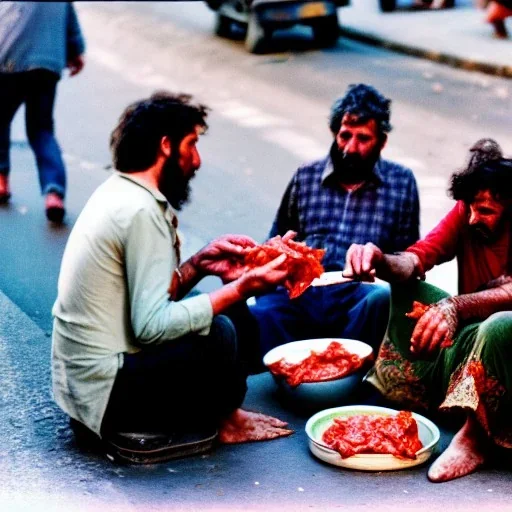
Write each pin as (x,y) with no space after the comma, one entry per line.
(37,42)
(497,12)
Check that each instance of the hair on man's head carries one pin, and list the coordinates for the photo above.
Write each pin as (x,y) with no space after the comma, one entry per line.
(494,175)
(363,102)
(484,150)
(135,140)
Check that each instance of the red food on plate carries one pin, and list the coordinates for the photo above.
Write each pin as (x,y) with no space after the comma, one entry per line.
(303,262)
(366,433)
(418,309)
(334,362)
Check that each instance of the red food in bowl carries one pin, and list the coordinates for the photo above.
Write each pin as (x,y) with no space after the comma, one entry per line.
(333,363)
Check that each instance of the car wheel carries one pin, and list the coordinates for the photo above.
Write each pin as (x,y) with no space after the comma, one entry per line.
(222,26)
(213,4)
(387,5)
(327,31)
(256,37)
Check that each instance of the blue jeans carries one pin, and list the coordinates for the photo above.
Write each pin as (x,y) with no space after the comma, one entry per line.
(36,89)
(349,310)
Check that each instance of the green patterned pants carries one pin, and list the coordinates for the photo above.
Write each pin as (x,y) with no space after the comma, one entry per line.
(474,374)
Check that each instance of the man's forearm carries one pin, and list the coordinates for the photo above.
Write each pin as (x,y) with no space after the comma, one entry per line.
(184,278)
(399,267)
(225,297)
(495,283)
(190,273)
(481,305)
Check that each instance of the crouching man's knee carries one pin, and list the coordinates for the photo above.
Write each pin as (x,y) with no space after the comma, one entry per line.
(497,332)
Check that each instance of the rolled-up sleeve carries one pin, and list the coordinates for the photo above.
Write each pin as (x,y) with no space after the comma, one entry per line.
(440,245)
(150,260)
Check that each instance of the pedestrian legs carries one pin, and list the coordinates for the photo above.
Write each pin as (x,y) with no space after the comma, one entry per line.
(39,103)
(496,15)
(11,87)
(36,89)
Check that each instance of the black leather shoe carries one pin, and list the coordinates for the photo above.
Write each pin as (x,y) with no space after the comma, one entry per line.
(152,447)
(85,438)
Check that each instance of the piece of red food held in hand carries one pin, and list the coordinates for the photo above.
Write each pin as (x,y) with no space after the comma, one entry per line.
(418,309)
(303,262)
(333,363)
(366,433)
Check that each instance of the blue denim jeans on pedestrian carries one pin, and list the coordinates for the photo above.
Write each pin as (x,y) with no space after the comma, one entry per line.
(348,310)
(36,89)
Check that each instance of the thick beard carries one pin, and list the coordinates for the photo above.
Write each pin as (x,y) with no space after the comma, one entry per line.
(483,235)
(174,185)
(352,168)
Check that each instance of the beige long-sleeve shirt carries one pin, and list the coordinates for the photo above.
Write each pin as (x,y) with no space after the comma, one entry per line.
(112,294)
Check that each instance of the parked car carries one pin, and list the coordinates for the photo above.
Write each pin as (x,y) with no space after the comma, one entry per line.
(390,5)
(259,18)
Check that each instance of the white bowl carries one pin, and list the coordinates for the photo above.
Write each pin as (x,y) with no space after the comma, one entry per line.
(321,421)
(318,395)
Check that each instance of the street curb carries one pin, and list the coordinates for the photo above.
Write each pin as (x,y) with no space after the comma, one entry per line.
(442,58)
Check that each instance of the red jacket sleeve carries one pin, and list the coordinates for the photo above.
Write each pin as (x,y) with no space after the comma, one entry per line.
(440,245)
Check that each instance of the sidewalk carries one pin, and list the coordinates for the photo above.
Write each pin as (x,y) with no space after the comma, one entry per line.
(459,37)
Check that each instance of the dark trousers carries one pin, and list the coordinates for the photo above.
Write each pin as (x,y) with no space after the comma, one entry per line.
(349,310)
(36,89)
(182,385)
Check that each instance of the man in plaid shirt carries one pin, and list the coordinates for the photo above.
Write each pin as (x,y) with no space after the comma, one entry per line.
(350,196)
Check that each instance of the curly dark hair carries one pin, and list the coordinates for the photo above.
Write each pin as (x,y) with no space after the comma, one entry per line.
(135,140)
(494,175)
(364,102)
(483,150)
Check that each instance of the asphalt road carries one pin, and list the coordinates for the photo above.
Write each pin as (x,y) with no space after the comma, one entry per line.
(269,114)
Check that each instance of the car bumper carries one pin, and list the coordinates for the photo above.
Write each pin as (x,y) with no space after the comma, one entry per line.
(284,13)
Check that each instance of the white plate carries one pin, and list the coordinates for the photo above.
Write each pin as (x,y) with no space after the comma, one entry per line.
(321,421)
(297,351)
(336,277)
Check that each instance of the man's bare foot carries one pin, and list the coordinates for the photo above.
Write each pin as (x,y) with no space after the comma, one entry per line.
(244,426)
(463,456)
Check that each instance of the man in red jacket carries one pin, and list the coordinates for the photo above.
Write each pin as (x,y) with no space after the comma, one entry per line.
(453,352)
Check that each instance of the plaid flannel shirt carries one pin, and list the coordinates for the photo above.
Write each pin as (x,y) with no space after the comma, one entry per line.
(384,210)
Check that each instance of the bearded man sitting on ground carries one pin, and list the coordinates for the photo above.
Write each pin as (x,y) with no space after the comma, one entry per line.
(454,352)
